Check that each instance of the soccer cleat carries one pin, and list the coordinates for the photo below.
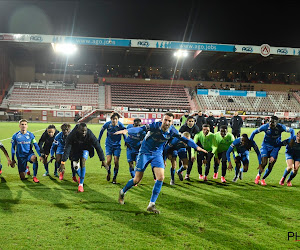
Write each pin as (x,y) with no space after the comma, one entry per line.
(215,175)
(46,173)
(172,182)
(200,177)
(61,176)
(56,174)
(114,181)
(235,179)
(187,177)
(179,175)
(108,177)
(121,197)
(0,171)
(205,178)
(80,188)
(152,209)
(263,182)
(289,184)
(35,179)
(223,179)
(74,179)
(256,181)
(27,170)
(281,182)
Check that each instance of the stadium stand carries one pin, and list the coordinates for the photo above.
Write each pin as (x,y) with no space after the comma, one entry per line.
(149,96)
(54,93)
(275,101)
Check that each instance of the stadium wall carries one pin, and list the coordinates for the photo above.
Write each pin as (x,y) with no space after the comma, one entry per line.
(67,77)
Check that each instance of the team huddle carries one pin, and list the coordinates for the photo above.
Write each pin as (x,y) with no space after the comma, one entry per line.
(155,144)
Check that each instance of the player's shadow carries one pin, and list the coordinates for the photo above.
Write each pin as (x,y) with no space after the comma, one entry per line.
(7,202)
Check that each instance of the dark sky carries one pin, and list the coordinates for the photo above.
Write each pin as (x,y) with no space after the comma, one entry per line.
(242,22)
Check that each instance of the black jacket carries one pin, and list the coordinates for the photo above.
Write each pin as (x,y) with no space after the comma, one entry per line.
(211,121)
(236,122)
(74,145)
(200,120)
(222,121)
(46,141)
(193,130)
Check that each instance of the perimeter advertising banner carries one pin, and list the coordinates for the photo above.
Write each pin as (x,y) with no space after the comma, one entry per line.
(217,92)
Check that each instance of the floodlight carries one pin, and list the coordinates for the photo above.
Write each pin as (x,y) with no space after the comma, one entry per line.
(64,48)
(181,53)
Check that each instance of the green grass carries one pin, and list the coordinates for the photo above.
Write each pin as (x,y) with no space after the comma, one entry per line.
(194,215)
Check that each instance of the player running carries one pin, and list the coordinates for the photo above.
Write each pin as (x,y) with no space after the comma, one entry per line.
(158,133)
(292,156)
(6,155)
(204,139)
(80,144)
(23,141)
(270,145)
(112,144)
(221,142)
(58,148)
(45,144)
(133,143)
(240,148)
(175,148)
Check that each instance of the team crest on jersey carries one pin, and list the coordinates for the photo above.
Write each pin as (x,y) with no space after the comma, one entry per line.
(27,137)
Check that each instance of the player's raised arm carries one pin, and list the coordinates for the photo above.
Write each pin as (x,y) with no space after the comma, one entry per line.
(190,143)
(258,130)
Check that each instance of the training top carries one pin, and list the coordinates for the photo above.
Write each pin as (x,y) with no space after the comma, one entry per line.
(272,136)
(221,144)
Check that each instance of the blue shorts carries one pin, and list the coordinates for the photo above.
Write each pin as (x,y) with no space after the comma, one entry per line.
(113,150)
(83,154)
(132,154)
(244,157)
(292,157)
(60,150)
(22,162)
(156,160)
(269,151)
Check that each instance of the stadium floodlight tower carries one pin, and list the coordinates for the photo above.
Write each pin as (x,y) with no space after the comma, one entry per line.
(64,48)
(181,53)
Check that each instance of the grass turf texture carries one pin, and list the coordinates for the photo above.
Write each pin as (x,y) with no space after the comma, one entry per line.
(194,215)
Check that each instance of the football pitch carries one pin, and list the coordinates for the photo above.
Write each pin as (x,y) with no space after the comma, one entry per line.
(194,215)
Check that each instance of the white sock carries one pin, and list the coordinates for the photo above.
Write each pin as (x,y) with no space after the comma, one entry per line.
(151,203)
(80,185)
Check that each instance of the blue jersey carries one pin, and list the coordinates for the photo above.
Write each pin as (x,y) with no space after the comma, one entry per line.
(23,143)
(175,144)
(240,149)
(59,142)
(272,136)
(156,139)
(134,140)
(111,139)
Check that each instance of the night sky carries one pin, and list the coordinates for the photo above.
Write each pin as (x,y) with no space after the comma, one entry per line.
(242,22)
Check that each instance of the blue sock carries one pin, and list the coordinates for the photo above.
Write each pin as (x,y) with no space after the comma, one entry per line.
(292,175)
(267,172)
(35,168)
(181,169)
(46,167)
(172,173)
(129,185)
(259,172)
(81,173)
(285,174)
(132,172)
(116,170)
(156,190)
(109,168)
(242,170)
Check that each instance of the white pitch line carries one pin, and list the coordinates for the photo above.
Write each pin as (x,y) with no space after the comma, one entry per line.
(31,132)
